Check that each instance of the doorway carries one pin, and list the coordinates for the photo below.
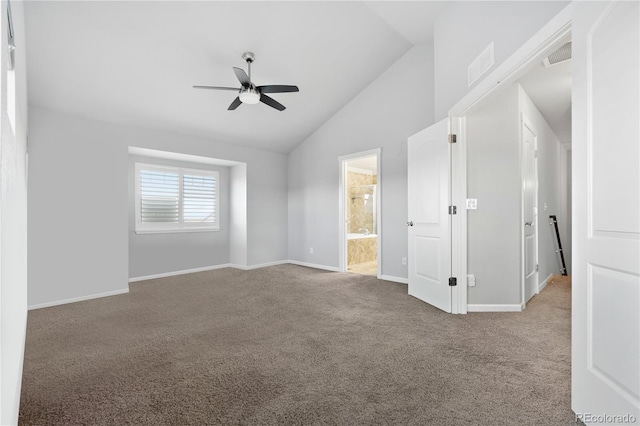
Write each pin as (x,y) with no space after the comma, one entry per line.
(514,143)
(360,222)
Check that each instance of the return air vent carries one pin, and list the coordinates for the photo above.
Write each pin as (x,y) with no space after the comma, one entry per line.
(559,55)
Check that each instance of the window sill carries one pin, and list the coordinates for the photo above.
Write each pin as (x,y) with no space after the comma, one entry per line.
(175,231)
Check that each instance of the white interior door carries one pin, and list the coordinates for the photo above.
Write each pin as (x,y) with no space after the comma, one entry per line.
(530,210)
(606,212)
(429,220)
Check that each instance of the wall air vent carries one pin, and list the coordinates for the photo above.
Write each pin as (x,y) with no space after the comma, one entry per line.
(559,55)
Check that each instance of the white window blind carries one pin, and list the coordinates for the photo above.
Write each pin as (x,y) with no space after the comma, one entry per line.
(199,200)
(159,197)
(172,199)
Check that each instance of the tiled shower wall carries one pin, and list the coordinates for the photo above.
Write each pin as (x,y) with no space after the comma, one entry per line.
(360,214)
(360,211)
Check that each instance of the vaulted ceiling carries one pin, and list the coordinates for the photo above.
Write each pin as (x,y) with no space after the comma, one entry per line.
(134,63)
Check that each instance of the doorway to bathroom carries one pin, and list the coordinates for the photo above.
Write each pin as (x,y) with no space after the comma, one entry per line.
(360,242)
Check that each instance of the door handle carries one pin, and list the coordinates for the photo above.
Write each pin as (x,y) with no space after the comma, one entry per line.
(410,223)
(528,224)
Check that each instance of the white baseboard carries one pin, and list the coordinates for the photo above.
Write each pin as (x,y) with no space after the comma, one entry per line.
(258,266)
(495,308)
(182,272)
(314,265)
(79,299)
(544,283)
(395,279)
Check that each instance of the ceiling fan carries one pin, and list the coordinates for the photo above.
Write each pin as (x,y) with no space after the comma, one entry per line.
(249,93)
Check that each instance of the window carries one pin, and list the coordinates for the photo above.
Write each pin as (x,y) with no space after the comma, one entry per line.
(175,199)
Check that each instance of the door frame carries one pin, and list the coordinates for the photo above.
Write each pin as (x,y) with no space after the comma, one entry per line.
(525,122)
(342,206)
(549,38)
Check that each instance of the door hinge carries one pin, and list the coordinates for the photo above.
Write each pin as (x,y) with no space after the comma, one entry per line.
(452,138)
(453,210)
(536,268)
(453,281)
(535,153)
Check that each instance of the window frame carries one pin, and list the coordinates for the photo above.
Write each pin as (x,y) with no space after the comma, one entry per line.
(161,228)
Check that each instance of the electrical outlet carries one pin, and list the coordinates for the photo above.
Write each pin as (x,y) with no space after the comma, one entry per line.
(404,261)
(310,250)
(471,280)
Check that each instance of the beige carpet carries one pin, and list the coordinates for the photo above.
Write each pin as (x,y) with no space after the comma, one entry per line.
(293,345)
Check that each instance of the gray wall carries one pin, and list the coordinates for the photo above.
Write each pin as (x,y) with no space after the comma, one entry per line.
(151,254)
(494,178)
(78,201)
(238,215)
(396,105)
(465,28)
(13,222)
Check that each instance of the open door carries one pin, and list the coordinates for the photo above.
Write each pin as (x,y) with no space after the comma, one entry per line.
(429,221)
(606,201)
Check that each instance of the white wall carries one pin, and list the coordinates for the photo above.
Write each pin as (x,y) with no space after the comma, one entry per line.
(494,177)
(78,202)
(465,28)
(151,254)
(13,223)
(396,105)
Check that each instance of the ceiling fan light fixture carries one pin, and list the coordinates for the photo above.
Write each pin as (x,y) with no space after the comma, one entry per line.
(249,96)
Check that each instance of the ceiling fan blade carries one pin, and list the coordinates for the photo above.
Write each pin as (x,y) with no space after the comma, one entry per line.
(235,104)
(242,76)
(216,88)
(277,88)
(272,102)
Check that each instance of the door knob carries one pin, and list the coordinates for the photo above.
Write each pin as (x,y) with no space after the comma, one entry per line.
(410,223)
(528,224)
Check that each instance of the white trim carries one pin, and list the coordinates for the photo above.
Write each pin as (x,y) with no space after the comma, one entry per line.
(495,308)
(359,170)
(525,122)
(314,265)
(176,231)
(182,272)
(259,265)
(79,299)
(394,279)
(342,217)
(544,283)
(459,221)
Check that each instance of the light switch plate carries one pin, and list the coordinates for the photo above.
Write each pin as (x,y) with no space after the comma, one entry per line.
(472,203)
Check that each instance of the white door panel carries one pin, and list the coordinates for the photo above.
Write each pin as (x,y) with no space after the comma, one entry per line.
(606,210)
(429,230)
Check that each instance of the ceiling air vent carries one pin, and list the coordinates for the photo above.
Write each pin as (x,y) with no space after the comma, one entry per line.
(559,55)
